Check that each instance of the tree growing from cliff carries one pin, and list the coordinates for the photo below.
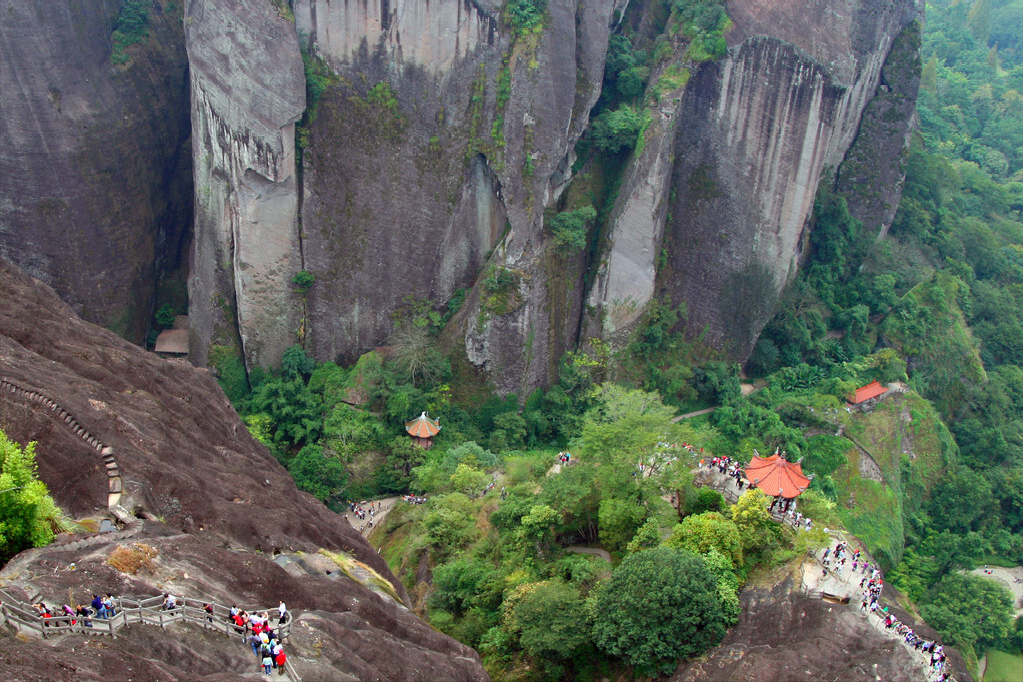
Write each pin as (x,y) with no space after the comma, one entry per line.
(659,606)
(570,227)
(28,515)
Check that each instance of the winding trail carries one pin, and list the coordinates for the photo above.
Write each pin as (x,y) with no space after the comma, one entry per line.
(363,526)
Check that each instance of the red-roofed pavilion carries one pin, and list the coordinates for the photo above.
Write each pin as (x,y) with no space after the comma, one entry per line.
(776,476)
(865,393)
(423,429)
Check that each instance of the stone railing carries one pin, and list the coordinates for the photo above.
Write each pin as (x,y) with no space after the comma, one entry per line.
(128,611)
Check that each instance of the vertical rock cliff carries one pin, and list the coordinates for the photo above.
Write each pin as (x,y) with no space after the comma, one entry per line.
(248,91)
(762,126)
(95,177)
(439,141)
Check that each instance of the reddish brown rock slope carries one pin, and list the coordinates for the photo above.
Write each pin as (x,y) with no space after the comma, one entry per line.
(225,507)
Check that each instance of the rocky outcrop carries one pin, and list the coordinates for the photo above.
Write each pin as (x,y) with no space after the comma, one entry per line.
(784,634)
(763,126)
(436,148)
(248,92)
(94,156)
(221,507)
(873,171)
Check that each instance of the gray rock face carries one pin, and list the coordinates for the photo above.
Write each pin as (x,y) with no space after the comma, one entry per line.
(764,124)
(410,196)
(95,178)
(874,169)
(248,92)
(761,128)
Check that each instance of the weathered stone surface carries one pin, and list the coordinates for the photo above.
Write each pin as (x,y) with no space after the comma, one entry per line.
(436,35)
(763,126)
(872,174)
(248,92)
(95,177)
(226,506)
(411,200)
(783,634)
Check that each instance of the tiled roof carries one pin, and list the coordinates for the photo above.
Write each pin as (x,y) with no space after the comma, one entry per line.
(871,390)
(776,476)
(422,427)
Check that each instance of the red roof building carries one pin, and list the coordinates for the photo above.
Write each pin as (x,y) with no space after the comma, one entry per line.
(776,476)
(423,429)
(871,390)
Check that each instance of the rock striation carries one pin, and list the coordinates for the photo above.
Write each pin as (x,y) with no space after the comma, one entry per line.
(95,166)
(247,93)
(224,518)
(431,157)
(764,126)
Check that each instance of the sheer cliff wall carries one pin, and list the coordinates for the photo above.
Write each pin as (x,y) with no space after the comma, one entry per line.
(431,157)
(95,177)
(248,91)
(761,128)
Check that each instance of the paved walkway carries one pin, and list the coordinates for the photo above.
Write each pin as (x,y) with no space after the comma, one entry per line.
(380,509)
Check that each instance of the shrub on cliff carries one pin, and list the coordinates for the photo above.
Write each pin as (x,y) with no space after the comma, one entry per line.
(28,514)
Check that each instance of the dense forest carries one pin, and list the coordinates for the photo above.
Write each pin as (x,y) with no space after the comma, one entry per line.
(936,303)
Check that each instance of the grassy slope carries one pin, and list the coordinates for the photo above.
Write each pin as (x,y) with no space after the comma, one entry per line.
(912,448)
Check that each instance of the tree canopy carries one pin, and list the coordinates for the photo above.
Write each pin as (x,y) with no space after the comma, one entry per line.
(660,606)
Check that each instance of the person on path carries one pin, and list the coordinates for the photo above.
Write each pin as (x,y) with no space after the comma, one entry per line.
(280,659)
(108,603)
(98,607)
(267,664)
(254,642)
(282,613)
(169,602)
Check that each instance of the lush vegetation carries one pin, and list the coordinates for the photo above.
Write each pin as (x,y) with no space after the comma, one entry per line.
(132,26)
(28,515)
(931,480)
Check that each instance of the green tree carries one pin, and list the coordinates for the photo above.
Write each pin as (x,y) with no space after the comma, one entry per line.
(464,584)
(969,611)
(708,531)
(618,129)
(752,518)
(570,227)
(318,473)
(28,515)
(469,481)
(469,453)
(538,526)
(658,607)
(551,621)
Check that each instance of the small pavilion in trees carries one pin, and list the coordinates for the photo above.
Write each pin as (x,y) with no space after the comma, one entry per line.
(423,429)
(779,478)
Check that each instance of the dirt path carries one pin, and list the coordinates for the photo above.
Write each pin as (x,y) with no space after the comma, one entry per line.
(746,389)
(379,514)
(595,551)
(697,413)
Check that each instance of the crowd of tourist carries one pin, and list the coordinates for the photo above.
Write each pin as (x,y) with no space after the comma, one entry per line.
(834,560)
(414,499)
(262,636)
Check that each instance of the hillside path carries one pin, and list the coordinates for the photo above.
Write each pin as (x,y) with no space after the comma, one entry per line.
(363,526)
(595,551)
(746,389)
